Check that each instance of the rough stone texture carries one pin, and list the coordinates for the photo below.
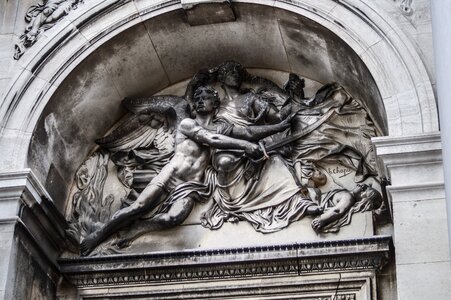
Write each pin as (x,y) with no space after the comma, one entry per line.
(208,12)
(31,235)
(194,236)
(417,26)
(6,248)
(32,279)
(443,66)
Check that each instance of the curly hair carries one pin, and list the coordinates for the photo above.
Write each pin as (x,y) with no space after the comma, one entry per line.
(228,66)
(209,90)
(372,195)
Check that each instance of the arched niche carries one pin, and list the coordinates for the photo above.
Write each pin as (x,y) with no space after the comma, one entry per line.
(69,90)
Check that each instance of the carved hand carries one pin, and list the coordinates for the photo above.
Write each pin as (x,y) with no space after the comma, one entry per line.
(286,123)
(253,151)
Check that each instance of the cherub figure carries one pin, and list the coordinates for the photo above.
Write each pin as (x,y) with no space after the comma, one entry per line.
(340,205)
(42,17)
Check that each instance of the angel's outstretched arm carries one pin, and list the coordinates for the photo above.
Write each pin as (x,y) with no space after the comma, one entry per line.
(156,104)
(205,137)
(258,132)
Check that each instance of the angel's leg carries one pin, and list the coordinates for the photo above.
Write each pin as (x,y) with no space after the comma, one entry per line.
(177,213)
(149,199)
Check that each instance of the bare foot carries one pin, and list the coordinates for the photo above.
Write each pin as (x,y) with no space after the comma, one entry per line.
(88,244)
(314,210)
(317,223)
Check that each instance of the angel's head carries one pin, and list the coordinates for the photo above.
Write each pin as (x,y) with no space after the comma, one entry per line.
(231,73)
(206,100)
(295,85)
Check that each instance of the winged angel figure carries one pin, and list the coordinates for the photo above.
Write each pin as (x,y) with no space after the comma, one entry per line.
(175,151)
(186,176)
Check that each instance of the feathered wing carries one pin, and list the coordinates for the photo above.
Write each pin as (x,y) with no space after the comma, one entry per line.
(131,134)
(144,141)
(152,124)
(174,107)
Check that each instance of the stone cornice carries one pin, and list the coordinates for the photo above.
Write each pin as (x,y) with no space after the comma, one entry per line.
(24,201)
(315,257)
(399,152)
(399,147)
(15,184)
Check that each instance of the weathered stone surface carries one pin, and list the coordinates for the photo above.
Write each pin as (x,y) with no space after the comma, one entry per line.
(418,205)
(208,12)
(407,109)
(246,269)
(194,236)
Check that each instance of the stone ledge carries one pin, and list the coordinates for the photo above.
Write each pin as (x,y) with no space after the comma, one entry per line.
(353,285)
(410,159)
(296,259)
(24,201)
(416,192)
(423,148)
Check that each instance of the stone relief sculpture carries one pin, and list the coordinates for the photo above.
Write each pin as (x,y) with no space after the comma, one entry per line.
(340,205)
(41,17)
(260,154)
(406,7)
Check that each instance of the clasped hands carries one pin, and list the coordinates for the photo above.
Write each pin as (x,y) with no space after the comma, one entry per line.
(257,151)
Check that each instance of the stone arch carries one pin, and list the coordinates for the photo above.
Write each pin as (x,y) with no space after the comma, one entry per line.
(394,64)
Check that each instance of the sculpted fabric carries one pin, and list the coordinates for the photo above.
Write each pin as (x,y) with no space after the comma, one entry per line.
(258,153)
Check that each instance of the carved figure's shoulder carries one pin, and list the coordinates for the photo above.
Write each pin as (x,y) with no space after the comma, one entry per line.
(187,124)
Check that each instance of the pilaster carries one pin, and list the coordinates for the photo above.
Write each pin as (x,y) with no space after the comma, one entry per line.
(417,197)
(441,25)
(32,235)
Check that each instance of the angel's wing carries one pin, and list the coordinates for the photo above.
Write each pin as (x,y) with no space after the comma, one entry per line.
(152,125)
(175,107)
(132,133)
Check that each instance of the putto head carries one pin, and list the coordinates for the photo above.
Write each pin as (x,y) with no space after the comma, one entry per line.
(370,194)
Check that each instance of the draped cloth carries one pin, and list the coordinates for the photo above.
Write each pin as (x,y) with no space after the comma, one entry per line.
(366,204)
(345,137)
(270,200)
(264,194)
(200,191)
